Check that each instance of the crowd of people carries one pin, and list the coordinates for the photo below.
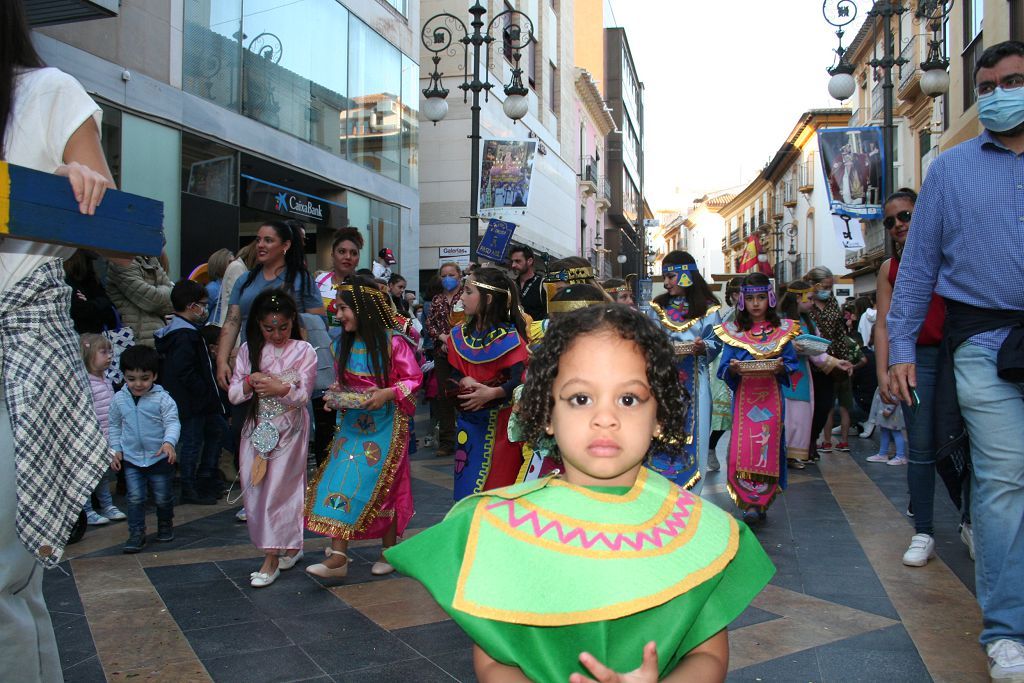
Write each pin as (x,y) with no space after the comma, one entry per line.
(581,429)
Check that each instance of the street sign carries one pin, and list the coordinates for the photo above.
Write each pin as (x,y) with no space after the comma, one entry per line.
(457,255)
(495,243)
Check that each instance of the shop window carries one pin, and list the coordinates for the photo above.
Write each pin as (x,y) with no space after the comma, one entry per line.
(385,228)
(375,86)
(209,170)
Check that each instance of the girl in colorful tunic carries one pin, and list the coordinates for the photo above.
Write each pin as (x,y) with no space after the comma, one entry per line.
(363,489)
(278,368)
(796,306)
(688,311)
(721,394)
(757,447)
(487,354)
(655,574)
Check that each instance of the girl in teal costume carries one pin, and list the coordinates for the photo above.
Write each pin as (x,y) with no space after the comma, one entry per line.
(609,567)
(688,311)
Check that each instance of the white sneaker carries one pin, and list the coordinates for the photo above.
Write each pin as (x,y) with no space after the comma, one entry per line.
(967,536)
(94,518)
(1005,661)
(898,460)
(867,430)
(113,514)
(837,430)
(922,549)
(240,515)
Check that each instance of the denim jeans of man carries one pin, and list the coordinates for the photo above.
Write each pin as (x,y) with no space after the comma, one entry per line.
(994,411)
(202,439)
(159,476)
(920,431)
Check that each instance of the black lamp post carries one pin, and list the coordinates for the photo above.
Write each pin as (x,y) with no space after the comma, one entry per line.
(440,32)
(783,230)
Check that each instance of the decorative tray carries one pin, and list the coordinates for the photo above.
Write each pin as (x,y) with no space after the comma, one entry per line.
(760,367)
(345,397)
(683,348)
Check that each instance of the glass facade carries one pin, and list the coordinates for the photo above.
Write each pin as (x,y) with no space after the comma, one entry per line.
(311,69)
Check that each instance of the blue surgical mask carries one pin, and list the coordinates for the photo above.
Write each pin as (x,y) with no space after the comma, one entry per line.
(823,294)
(1003,110)
(449,282)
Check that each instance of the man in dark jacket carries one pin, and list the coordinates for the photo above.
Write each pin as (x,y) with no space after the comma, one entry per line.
(187,373)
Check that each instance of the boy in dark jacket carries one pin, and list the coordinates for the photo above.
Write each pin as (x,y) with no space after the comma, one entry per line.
(188,375)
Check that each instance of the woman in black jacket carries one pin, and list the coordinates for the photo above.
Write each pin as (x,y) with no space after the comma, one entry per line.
(91,309)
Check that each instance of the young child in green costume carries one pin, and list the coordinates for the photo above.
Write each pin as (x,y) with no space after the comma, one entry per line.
(607,571)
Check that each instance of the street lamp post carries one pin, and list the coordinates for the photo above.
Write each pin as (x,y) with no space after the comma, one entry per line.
(440,32)
(783,230)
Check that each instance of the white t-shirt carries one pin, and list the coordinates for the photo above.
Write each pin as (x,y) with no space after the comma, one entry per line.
(49,106)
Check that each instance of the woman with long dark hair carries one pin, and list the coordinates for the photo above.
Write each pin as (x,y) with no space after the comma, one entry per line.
(47,123)
(689,312)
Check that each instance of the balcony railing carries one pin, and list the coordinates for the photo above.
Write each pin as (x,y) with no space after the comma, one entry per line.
(589,167)
(909,70)
(734,237)
(806,173)
(789,194)
(604,191)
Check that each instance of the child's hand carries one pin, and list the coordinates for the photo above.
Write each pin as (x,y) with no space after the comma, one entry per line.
(647,673)
(469,383)
(480,396)
(377,398)
(846,366)
(699,347)
(115,462)
(734,366)
(168,450)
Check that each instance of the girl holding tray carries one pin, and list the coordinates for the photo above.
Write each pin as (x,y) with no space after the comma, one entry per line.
(811,350)
(362,490)
(688,311)
(651,574)
(757,358)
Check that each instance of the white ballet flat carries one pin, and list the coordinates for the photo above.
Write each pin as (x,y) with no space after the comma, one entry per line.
(325,572)
(381,568)
(289,561)
(261,579)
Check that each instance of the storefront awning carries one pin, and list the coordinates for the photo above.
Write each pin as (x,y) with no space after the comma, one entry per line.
(48,12)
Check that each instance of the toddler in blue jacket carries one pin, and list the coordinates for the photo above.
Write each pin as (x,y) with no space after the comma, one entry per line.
(144,430)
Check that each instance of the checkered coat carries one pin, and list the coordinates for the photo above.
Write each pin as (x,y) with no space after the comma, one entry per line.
(59,450)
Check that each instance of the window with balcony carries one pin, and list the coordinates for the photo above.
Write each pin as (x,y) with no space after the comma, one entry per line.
(974,14)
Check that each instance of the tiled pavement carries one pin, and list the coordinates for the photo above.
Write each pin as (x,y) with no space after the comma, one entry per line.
(841,607)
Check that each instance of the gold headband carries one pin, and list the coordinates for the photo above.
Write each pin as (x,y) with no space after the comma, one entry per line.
(567,306)
(621,289)
(477,283)
(382,304)
(573,276)
(798,289)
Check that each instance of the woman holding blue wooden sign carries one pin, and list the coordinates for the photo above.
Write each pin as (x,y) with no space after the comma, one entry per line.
(52,451)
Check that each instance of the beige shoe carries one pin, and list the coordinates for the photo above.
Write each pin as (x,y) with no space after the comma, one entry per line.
(287,561)
(381,568)
(325,572)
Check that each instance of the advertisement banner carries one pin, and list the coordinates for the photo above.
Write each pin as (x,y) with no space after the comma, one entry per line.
(854,163)
(848,232)
(495,242)
(506,169)
(271,197)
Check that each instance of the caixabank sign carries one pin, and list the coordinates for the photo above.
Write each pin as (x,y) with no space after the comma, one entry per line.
(267,196)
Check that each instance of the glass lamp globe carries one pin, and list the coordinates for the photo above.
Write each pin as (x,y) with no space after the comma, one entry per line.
(934,82)
(841,86)
(435,108)
(516,106)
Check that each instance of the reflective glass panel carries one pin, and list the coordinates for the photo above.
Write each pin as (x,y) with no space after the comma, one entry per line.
(373,122)
(211,53)
(410,122)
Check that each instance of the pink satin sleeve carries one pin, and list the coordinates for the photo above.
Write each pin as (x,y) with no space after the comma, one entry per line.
(406,376)
(238,391)
(305,366)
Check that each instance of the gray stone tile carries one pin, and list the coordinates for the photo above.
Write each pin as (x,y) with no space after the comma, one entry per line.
(263,666)
(325,626)
(358,651)
(219,641)
(419,670)
(751,616)
(87,671)
(184,573)
(458,664)
(887,654)
(800,666)
(74,641)
(435,639)
(199,592)
(238,610)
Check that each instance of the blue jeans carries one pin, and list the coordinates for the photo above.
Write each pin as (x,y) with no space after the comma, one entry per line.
(994,411)
(202,438)
(896,435)
(921,434)
(102,493)
(159,476)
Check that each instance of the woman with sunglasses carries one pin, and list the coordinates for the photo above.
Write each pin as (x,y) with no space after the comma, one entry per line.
(898,209)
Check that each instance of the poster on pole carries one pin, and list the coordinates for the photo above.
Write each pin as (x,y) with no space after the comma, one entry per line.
(506,170)
(495,242)
(848,231)
(854,163)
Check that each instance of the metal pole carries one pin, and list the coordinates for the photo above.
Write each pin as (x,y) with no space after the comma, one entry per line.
(474,134)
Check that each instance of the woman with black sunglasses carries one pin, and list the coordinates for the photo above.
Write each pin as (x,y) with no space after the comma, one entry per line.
(898,211)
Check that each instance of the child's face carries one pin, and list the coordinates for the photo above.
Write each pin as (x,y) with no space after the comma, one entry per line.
(624,298)
(101,360)
(276,328)
(139,381)
(756,305)
(471,297)
(605,413)
(346,315)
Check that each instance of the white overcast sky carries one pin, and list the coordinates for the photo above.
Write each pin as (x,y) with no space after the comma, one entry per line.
(725,81)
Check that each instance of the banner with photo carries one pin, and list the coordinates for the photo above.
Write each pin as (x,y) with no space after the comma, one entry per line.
(854,163)
(506,169)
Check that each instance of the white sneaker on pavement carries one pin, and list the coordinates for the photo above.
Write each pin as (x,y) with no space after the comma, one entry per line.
(1005,661)
(967,536)
(114,514)
(898,460)
(94,518)
(867,430)
(878,457)
(240,515)
(922,549)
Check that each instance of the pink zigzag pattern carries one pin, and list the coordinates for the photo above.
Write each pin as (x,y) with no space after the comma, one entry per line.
(673,525)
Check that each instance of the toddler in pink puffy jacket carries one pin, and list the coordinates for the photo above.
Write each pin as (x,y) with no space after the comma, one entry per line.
(97,354)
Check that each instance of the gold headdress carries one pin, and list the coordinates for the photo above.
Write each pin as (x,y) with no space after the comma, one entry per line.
(382,305)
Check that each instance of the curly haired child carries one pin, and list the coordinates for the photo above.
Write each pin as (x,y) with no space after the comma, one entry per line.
(655,574)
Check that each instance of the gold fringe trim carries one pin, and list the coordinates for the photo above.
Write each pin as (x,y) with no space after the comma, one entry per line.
(680,327)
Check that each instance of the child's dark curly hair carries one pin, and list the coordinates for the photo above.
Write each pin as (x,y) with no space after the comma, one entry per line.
(628,323)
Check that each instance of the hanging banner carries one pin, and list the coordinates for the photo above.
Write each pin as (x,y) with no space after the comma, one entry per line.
(506,170)
(854,163)
(495,242)
(754,259)
(848,231)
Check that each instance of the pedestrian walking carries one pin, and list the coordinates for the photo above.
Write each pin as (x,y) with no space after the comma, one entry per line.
(828,320)
(530,283)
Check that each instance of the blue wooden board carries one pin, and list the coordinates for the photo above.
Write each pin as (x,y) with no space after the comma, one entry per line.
(43,209)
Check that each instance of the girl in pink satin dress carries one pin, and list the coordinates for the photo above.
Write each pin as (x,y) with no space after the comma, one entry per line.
(275,373)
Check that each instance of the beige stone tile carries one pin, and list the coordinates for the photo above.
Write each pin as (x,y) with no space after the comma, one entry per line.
(404,613)
(164,673)
(362,595)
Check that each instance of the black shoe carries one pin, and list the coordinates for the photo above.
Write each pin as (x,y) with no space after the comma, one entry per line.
(136,542)
(751,516)
(165,532)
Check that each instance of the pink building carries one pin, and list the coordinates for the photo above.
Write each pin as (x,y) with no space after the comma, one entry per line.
(593,122)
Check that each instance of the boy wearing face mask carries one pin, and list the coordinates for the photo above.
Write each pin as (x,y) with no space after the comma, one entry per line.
(187,373)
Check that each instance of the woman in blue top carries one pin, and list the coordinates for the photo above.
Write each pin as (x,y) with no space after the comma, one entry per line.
(279,259)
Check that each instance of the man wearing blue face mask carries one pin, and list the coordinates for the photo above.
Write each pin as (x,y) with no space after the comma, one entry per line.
(968,227)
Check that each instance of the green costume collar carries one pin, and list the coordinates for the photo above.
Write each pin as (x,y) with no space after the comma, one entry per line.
(622,554)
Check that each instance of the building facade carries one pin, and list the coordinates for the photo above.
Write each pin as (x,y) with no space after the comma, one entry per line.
(233,112)
(593,121)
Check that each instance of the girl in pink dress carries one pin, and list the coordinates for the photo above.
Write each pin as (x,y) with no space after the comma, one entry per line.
(275,373)
(363,488)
